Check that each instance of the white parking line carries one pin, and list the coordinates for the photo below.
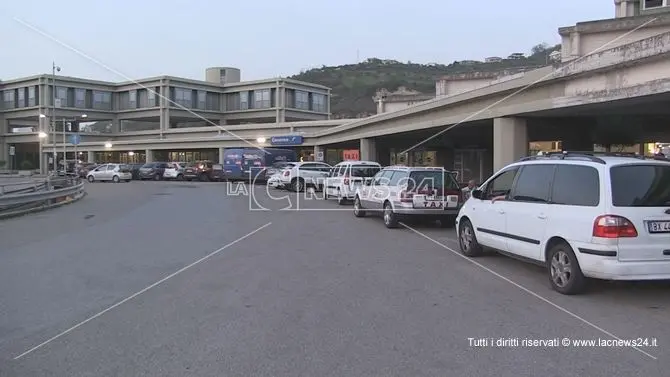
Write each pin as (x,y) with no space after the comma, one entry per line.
(536,295)
(89,319)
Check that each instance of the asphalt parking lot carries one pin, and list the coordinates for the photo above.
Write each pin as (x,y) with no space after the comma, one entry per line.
(196,279)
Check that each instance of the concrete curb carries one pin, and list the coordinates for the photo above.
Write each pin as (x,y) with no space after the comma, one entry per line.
(41,208)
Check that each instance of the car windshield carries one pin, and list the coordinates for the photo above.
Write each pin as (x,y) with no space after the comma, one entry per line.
(432,179)
(640,185)
(364,171)
(148,166)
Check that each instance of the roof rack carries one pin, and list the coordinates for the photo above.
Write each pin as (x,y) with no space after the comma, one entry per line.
(563,155)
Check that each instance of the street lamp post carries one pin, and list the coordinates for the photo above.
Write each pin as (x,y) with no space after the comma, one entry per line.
(54,68)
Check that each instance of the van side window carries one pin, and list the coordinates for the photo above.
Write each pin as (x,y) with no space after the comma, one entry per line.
(576,185)
(500,185)
(534,183)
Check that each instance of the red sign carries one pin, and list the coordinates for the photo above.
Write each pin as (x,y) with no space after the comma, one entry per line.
(351,154)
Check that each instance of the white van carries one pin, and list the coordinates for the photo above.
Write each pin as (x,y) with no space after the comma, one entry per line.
(346,177)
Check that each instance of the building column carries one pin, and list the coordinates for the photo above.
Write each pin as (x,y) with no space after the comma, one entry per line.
(222,152)
(368,150)
(91,156)
(280,104)
(149,155)
(319,153)
(510,141)
(165,107)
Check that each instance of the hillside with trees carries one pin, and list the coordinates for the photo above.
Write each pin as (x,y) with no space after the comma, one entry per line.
(354,85)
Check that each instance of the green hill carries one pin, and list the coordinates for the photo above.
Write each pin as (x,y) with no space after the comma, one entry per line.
(354,85)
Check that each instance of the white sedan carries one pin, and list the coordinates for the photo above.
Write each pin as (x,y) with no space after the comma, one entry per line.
(110,172)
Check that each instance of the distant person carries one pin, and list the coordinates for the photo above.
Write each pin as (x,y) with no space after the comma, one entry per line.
(467,191)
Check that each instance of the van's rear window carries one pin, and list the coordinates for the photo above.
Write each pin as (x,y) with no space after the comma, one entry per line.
(640,185)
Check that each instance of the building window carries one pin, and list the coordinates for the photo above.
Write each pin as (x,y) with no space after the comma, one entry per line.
(32,96)
(262,99)
(8,99)
(80,98)
(244,100)
(301,100)
(212,102)
(232,101)
(289,98)
(132,99)
(61,97)
(21,97)
(650,4)
(151,98)
(319,103)
(202,99)
(183,97)
(102,100)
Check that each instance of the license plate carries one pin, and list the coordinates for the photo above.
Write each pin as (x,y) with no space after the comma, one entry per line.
(189,170)
(658,226)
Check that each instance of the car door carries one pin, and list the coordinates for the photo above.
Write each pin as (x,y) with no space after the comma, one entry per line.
(366,190)
(488,213)
(381,191)
(527,210)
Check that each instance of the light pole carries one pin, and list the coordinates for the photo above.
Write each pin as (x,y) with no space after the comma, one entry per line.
(54,69)
(44,167)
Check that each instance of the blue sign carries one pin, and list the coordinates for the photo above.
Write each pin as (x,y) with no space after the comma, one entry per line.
(286,140)
(75,139)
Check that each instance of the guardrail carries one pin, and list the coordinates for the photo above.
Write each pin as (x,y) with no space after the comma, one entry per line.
(55,191)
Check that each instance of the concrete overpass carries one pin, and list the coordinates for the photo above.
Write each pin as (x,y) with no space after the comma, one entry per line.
(631,78)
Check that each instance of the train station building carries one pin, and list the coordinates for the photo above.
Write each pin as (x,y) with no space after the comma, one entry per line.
(610,85)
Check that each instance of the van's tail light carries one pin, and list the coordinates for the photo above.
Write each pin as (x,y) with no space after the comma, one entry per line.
(612,226)
(406,196)
(287,173)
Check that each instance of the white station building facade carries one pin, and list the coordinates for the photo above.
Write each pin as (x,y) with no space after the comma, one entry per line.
(612,73)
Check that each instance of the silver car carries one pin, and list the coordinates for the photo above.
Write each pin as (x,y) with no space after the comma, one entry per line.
(398,192)
(110,172)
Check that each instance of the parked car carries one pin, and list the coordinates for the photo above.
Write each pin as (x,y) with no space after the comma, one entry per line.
(604,216)
(217,174)
(199,170)
(398,192)
(135,170)
(153,170)
(275,171)
(305,174)
(110,172)
(174,170)
(347,176)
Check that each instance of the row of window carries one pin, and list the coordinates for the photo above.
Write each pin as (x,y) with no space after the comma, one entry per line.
(650,4)
(150,97)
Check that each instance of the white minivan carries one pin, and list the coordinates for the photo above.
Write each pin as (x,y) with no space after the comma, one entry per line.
(603,216)
(346,177)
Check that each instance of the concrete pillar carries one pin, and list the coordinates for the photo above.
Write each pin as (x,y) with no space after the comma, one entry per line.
(319,153)
(221,153)
(280,104)
(510,141)
(165,107)
(368,149)
(91,156)
(149,155)
(116,125)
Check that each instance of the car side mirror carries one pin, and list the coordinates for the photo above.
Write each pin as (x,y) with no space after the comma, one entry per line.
(477,194)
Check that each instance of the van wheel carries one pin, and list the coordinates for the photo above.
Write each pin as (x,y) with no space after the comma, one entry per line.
(91,179)
(565,274)
(340,200)
(358,209)
(467,240)
(157,177)
(116,179)
(390,218)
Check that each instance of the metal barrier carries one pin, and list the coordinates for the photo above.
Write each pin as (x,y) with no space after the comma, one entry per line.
(32,198)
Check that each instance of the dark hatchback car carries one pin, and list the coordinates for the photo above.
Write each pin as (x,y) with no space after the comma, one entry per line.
(135,170)
(153,170)
(200,170)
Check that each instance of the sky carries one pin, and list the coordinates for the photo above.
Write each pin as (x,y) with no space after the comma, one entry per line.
(123,40)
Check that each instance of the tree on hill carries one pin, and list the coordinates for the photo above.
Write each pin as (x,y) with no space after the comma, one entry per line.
(354,85)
